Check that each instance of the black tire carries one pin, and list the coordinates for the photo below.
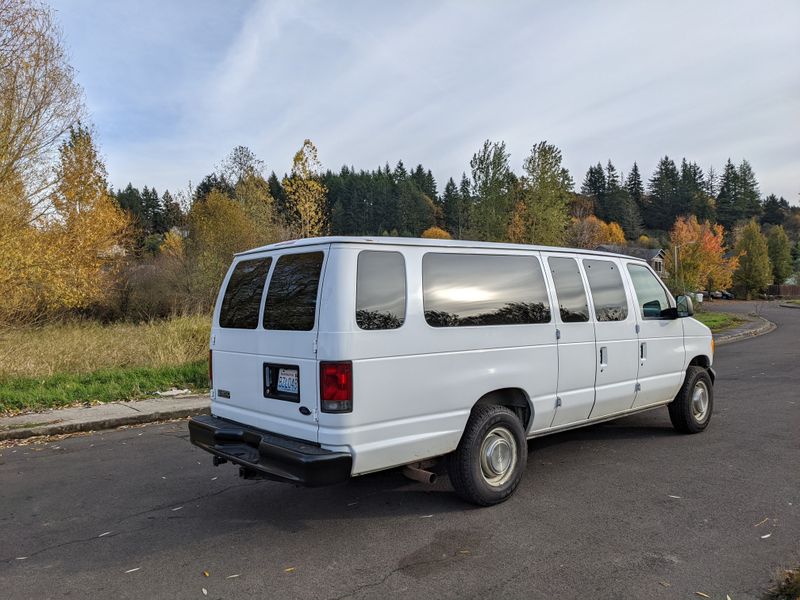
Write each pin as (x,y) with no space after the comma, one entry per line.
(683,411)
(491,425)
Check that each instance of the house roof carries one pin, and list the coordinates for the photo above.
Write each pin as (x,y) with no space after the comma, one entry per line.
(647,254)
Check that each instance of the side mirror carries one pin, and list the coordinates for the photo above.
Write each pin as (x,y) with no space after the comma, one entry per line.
(684,306)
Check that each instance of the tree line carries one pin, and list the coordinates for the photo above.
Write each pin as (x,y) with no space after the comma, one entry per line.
(70,244)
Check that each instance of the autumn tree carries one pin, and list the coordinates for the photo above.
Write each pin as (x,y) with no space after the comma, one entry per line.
(591,232)
(701,256)
(780,254)
(39,101)
(435,233)
(540,213)
(305,194)
(755,271)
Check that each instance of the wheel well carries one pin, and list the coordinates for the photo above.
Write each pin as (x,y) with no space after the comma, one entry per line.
(702,361)
(513,398)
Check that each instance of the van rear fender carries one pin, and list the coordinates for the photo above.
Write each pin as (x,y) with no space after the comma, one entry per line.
(514,398)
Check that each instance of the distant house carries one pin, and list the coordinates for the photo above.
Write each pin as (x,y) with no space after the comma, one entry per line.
(654,256)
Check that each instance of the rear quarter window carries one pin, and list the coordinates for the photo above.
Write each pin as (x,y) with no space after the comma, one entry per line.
(242,298)
(482,289)
(291,303)
(380,290)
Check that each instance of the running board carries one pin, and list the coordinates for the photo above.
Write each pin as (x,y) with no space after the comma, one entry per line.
(611,417)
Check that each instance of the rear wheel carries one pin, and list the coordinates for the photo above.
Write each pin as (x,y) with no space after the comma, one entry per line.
(490,459)
(691,410)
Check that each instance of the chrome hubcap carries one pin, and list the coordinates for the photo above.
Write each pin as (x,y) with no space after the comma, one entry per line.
(700,402)
(498,456)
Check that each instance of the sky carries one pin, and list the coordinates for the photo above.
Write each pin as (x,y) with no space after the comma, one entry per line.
(172,86)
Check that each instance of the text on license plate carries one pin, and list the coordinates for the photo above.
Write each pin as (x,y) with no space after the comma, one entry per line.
(287,381)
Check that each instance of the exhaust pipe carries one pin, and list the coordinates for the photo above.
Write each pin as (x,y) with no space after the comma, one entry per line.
(420,475)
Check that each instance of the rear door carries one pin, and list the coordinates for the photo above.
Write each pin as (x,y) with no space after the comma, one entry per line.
(616,345)
(576,344)
(265,368)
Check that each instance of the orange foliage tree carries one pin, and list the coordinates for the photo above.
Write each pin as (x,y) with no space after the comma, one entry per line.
(701,256)
(436,233)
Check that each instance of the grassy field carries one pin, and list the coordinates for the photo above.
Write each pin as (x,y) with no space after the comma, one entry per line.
(717,321)
(69,363)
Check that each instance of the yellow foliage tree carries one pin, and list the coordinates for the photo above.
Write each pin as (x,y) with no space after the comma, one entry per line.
(436,233)
(305,193)
(591,232)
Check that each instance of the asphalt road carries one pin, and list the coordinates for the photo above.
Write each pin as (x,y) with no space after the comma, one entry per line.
(628,509)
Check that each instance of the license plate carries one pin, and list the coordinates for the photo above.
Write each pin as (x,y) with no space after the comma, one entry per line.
(287,381)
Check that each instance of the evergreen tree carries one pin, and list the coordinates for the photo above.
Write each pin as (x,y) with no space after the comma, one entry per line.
(775,211)
(664,201)
(453,209)
(693,193)
(152,217)
(750,200)
(277,192)
(173,214)
(210,183)
(780,254)
(541,211)
(755,271)
(738,197)
(635,187)
(492,184)
(594,186)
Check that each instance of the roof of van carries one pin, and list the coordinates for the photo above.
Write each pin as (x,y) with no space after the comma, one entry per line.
(405,241)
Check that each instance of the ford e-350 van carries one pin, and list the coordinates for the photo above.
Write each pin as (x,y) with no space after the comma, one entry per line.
(334,357)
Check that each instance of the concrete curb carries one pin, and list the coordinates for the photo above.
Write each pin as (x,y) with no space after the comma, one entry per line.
(103,416)
(789,305)
(764,326)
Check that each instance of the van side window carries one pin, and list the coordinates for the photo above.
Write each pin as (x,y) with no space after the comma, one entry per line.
(481,289)
(650,294)
(571,294)
(608,292)
(242,298)
(292,295)
(380,290)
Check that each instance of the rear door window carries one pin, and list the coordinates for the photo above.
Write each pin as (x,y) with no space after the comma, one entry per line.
(291,303)
(242,298)
(650,294)
(608,292)
(380,290)
(572,304)
(483,289)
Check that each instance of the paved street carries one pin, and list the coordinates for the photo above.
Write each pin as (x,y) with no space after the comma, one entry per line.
(628,509)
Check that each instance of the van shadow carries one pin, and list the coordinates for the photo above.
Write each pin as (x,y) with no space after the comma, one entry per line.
(389,494)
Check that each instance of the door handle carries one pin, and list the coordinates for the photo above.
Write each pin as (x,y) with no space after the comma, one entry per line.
(603,357)
(643,351)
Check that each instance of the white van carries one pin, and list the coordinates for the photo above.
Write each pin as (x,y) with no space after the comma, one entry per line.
(334,357)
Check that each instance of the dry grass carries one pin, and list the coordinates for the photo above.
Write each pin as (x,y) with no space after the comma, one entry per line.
(86,346)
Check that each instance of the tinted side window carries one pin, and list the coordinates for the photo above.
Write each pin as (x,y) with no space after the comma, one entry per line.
(242,297)
(292,295)
(380,290)
(608,293)
(650,294)
(572,304)
(478,289)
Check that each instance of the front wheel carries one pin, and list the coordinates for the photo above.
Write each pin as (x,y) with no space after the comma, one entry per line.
(691,410)
(490,459)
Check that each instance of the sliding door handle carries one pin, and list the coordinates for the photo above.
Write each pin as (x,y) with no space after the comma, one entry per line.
(603,356)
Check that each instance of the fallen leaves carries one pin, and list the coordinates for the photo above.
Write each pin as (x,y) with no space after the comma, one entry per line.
(233,576)
(702,595)
(765,536)
(133,570)
(289,570)
(104,534)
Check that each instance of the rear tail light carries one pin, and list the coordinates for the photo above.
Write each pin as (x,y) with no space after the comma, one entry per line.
(336,386)
(210,371)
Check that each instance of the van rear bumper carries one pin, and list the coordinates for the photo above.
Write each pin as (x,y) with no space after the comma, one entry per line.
(268,454)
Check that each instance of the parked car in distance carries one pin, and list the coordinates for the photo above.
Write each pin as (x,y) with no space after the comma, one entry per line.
(728,295)
(335,357)
(716,295)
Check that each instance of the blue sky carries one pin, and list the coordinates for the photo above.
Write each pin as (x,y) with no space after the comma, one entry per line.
(173,86)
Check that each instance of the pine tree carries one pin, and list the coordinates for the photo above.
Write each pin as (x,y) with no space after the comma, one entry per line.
(750,200)
(594,186)
(451,203)
(173,214)
(775,211)
(663,203)
(635,187)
